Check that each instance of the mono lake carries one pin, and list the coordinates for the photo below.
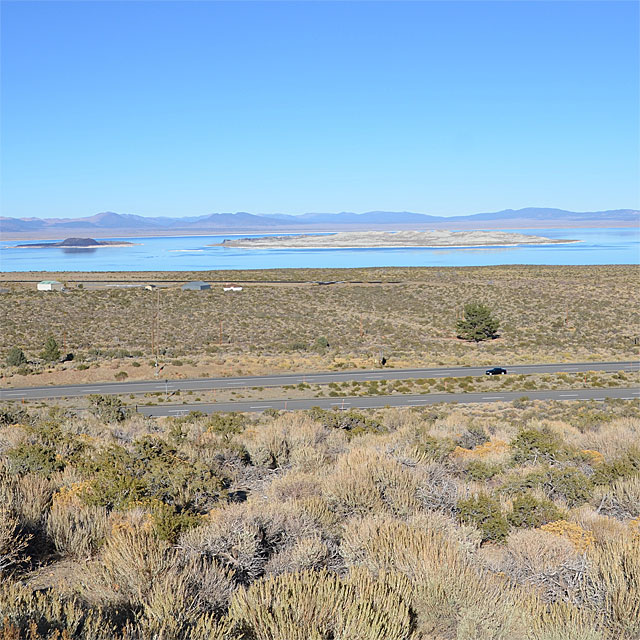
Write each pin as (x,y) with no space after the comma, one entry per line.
(191,253)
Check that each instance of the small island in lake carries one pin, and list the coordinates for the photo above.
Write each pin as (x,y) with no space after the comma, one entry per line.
(391,240)
(76,243)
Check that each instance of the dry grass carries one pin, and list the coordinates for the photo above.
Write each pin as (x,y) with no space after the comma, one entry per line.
(320,525)
(547,314)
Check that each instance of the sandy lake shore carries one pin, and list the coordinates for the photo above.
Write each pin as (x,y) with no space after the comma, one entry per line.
(391,240)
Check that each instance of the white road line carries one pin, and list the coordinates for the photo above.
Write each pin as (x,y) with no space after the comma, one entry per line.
(341,403)
(568,395)
(493,397)
(262,406)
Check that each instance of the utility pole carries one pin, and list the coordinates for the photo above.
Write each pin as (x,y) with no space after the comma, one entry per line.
(156,332)
(220,331)
(157,324)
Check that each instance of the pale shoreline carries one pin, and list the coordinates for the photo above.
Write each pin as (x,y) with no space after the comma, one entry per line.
(408,246)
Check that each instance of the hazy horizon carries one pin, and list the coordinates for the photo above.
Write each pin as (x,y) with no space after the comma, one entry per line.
(260,213)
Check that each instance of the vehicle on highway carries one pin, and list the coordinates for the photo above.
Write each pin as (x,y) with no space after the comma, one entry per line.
(496,371)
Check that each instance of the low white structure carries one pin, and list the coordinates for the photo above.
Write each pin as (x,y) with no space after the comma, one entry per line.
(50,285)
(231,287)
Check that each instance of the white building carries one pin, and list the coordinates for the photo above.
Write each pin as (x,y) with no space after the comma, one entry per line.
(231,287)
(50,285)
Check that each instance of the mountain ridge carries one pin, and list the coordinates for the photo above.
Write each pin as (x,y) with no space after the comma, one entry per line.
(110,223)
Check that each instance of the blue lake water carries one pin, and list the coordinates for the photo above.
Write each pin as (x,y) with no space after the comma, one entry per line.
(191,253)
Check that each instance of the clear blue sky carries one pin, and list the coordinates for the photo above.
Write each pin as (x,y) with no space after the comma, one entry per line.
(188,108)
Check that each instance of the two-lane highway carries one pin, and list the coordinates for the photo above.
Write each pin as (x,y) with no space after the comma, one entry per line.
(399,400)
(279,380)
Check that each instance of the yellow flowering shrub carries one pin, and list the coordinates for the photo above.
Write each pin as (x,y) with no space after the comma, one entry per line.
(579,537)
(595,456)
(70,495)
(490,448)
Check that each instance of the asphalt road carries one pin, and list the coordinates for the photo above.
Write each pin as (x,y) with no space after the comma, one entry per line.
(400,400)
(204,384)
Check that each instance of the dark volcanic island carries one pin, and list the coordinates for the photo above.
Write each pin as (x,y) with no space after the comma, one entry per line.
(76,243)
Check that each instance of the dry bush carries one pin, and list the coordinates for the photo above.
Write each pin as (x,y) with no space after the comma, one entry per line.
(322,606)
(27,614)
(371,541)
(318,511)
(603,528)
(451,595)
(366,481)
(33,493)
(438,489)
(203,627)
(243,537)
(401,421)
(383,543)
(453,425)
(615,571)
(306,553)
(76,529)
(563,621)
(548,562)
(564,430)
(210,627)
(620,499)
(465,537)
(270,446)
(612,439)
(312,444)
(28,496)
(132,558)
(12,542)
(183,594)
(214,584)
(216,449)
(344,506)
(295,486)
(292,438)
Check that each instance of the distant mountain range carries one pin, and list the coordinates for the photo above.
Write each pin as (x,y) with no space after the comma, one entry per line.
(109,224)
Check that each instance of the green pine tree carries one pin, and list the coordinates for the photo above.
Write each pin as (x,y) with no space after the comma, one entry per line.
(51,351)
(477,323)
(16,357)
